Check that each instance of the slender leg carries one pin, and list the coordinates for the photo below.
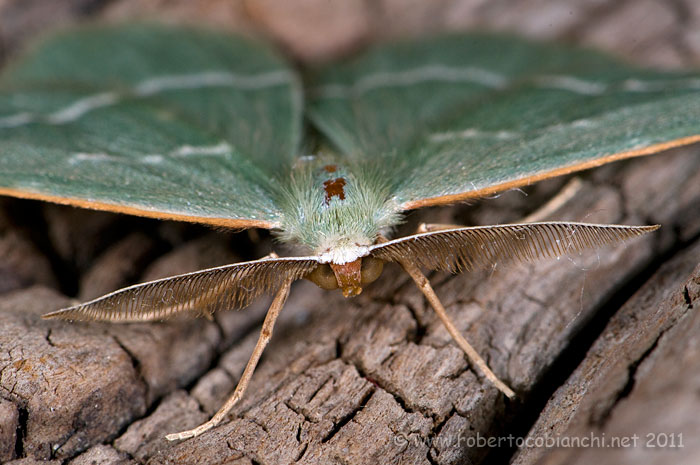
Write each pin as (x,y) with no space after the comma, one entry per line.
(423,284)
(427,290)
(563,196)
(430,227)
(264,338)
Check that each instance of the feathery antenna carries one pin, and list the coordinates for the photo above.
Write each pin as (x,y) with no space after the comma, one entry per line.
(202,292)
(464,249)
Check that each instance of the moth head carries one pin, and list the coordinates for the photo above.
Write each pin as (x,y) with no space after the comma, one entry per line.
(350,277)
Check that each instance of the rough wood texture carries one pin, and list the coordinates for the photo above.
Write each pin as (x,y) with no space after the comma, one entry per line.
(639,380)
(374,379)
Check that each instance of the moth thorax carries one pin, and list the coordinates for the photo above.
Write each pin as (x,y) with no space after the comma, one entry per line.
(349,277)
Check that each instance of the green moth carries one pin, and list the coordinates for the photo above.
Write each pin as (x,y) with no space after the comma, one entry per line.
(199,126)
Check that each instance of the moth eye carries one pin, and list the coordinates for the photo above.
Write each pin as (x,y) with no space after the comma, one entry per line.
(371,269)
(323,277)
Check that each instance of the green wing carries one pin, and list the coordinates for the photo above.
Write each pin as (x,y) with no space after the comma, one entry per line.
(151,120)
(463,116)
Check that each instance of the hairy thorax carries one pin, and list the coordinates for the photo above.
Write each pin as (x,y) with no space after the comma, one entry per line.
(337,210)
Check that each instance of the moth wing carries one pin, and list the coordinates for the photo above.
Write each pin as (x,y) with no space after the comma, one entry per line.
(200,293)
(151,120)
(464,116)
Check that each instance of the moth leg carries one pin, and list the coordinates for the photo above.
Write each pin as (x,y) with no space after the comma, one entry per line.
(430,227)
(564,195)
(263,339)
(427,290)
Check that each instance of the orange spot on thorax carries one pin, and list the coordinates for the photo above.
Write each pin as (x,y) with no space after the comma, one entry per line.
(334,188)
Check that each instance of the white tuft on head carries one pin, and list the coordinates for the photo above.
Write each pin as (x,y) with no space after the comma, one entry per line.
(343,254)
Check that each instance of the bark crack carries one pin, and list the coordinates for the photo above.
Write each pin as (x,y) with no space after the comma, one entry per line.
(378,385)
(136,364)
(421,330)
(22,420)
(688,299)
(48,338)
(349,417)
(631,381)
(634,366)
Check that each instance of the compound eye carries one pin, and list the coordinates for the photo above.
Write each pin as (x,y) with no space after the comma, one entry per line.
(371,269)
(323,277)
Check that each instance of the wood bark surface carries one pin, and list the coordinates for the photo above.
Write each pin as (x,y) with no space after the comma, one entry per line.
(601,344)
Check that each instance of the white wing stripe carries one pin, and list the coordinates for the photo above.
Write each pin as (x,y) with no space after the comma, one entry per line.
(79,108)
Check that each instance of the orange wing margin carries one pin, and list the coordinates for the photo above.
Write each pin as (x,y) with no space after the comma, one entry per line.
(109,207)
(453,198)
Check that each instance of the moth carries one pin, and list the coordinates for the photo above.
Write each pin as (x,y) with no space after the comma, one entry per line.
(207,127)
